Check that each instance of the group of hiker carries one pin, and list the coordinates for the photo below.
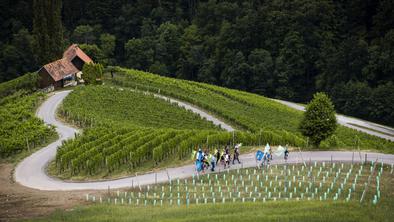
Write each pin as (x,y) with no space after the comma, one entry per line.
(205,160)
(267,155)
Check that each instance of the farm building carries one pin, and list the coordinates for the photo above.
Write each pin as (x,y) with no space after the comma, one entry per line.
(64,72)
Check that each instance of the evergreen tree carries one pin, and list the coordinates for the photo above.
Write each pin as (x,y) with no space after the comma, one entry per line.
(319,120)
(47,29)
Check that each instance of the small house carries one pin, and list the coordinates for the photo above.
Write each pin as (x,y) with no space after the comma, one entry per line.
(64,72)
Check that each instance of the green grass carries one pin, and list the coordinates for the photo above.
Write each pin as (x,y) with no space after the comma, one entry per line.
(280,210)
(284,211)
(20,130)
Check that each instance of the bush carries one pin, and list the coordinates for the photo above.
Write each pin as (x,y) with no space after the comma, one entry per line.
(92,73)
(319,120)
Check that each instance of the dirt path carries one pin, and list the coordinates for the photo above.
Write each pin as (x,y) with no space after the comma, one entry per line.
(19,202)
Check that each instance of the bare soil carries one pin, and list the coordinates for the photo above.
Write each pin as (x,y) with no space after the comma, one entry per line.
(19,202)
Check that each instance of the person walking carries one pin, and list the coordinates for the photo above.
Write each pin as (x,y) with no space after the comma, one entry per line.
(217,154)
(236,154)
(286,153)
(226,160)
(213,162)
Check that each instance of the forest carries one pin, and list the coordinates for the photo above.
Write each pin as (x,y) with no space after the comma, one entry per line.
(279,48)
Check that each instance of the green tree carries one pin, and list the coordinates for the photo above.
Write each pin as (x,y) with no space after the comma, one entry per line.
(380,68)
(159,68)
(262,67)
(290,72)
(319,121)
(167,46)
(92,73)
(93,51)
(48,30)
(236,73)
(191,54)
(382,103)
(84,34)
(18,56)
(107,45)
(138,53)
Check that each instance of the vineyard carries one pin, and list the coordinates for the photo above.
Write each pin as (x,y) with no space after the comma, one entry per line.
(20,130)
(246,110)
(98,105)
(27,82)
(338,182)
(126,128)
(108,149)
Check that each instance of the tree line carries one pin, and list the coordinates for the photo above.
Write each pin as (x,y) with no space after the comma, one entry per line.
(283,49)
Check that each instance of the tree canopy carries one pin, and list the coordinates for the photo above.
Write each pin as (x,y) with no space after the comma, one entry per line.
(282,49)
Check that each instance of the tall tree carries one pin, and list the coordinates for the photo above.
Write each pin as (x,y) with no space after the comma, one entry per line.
(107,45)
(236,73)
(47,29)
(290,67)
(261,63)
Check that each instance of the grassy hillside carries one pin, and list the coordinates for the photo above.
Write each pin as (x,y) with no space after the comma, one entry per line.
(128,108)
(20,130)
(249,111)
(27,82)
(329,181)
(128,131)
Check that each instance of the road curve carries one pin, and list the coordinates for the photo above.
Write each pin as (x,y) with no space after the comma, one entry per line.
(378,130)
(31,171)
(190,107)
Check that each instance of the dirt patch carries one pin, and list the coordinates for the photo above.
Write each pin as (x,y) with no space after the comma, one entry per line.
(19,202)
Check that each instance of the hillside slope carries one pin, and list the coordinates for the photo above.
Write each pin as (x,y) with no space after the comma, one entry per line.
(249,111)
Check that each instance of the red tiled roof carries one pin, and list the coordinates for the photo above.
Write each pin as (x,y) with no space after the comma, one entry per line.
(63,67)
(73,51)
(60,68)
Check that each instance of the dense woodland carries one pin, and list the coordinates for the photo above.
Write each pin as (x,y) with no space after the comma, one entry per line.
(279,48)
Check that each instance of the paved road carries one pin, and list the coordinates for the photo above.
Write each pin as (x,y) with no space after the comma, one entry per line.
(31,171)
(357,124)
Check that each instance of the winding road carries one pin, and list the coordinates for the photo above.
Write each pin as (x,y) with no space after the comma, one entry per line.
(31,172)
(378,130)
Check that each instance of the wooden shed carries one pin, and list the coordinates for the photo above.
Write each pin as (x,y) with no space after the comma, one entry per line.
(62,72)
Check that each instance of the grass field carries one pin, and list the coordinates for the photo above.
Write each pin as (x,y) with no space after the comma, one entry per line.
(278,209)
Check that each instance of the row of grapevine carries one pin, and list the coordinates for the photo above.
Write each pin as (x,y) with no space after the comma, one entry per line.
(109,106)
(20,129)
(245,110)
(124,148)
(27,82)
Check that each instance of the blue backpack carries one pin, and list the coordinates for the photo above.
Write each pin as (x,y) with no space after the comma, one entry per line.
(259,155)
